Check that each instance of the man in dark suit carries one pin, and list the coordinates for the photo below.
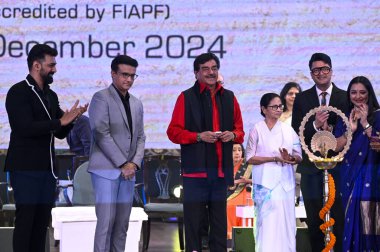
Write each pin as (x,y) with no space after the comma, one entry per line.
(35,118)
(117,150)
(324,92)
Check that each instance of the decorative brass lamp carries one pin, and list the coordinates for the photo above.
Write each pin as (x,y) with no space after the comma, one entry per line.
(322,142)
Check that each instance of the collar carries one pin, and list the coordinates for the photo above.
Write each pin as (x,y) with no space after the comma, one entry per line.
(328,91)
(33,82)
(120,94)
(203,87)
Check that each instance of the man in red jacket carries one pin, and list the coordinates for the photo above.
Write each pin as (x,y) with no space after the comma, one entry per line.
(206,122)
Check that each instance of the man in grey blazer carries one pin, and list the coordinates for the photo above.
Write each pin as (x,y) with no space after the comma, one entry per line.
(117,150)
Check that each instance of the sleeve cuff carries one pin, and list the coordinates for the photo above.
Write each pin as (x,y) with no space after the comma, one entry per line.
(137,167)
(55,125)
(120,166)
(315,127)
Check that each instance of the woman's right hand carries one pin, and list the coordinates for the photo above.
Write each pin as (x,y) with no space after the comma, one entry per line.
(353,121)
(286,157)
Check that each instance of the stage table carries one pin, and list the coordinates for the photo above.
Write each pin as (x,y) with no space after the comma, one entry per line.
(75,228)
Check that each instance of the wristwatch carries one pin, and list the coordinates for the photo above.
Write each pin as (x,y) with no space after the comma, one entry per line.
(199,137)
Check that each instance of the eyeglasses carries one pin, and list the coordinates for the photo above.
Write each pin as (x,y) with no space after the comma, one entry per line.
(127,75)
(318,70)
(276,107)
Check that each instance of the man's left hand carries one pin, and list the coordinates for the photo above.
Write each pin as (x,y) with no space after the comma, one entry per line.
(227,136)
(128,170)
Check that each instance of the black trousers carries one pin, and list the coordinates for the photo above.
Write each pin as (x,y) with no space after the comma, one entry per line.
(312,192)
(34,193)
(199,193)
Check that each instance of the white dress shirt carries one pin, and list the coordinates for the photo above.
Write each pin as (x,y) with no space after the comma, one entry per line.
(328,96)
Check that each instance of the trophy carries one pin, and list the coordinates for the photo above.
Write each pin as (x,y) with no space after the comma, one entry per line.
(321,143)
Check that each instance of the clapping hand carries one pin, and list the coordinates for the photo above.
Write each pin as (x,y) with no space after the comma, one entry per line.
(82,109)
(353,121)
(72,114)
(286,157)
(361,112)
(321,118)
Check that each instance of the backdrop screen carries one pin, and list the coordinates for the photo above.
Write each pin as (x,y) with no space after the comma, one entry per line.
(261,45)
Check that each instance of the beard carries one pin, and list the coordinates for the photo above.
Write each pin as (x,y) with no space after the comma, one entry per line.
(47,78)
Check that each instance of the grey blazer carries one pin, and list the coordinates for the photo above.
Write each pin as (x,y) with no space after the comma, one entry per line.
(111,137)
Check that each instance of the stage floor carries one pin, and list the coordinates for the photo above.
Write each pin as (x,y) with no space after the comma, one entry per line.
(163,238)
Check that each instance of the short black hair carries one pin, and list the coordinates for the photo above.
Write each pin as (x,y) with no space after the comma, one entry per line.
(38,52)
(203,58)
(266,99)
(123,59)
(320,57)
(286,89)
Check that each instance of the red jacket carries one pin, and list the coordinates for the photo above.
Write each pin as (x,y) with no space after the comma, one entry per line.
(178,134)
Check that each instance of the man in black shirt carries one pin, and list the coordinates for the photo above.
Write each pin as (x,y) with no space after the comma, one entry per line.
(117,150)
(35,118)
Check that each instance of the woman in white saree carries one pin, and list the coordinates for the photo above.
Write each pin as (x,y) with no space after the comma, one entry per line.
(273,148)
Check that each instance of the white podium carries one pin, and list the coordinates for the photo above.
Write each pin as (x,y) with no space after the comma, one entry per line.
(247,214)
(75,228)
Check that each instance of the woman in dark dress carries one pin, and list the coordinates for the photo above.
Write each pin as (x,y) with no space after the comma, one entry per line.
(360,169)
